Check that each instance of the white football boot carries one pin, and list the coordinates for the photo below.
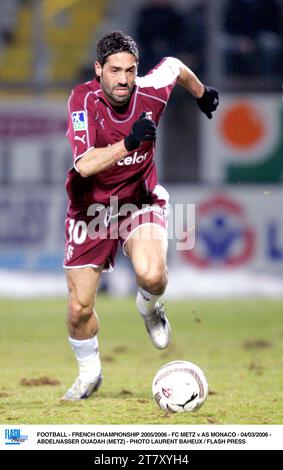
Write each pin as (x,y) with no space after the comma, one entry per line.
(81,389)
(158,327)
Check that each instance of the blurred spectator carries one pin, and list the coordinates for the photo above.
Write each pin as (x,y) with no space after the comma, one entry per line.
(196,36)
(8,19)
(159,33)
(252,42)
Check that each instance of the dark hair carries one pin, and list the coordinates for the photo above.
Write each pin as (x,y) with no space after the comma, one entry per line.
(115,42)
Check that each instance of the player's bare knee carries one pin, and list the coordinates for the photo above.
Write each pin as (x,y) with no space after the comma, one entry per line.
(153,280)
(79,313)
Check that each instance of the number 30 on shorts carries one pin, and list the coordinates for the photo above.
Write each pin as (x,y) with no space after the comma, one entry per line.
(77,231)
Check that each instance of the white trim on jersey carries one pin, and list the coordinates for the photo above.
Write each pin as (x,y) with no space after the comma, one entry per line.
(162,76)
(85,109)
(150,96)
(96,93)
(128,118)
(108,270)
(80,156)
(70,97)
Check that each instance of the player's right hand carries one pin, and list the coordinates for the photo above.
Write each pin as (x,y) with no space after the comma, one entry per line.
(143,129)
(209,101)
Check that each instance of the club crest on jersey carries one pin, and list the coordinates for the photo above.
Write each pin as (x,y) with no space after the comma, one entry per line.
(79,120)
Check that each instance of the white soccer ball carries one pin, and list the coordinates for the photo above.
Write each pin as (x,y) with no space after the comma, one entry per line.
(179,386)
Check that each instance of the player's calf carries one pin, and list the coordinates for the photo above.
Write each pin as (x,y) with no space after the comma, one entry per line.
(82,320)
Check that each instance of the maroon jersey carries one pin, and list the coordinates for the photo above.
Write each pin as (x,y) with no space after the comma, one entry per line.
(93,122)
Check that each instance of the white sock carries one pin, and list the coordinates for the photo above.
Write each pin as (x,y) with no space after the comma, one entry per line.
(87,355)
(146,301)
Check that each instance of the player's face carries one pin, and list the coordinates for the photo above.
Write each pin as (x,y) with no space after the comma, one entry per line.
(117,77)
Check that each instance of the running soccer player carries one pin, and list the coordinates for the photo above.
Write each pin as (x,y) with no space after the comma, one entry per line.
(112,131)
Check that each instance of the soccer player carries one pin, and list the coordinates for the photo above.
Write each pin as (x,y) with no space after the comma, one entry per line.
(114,195)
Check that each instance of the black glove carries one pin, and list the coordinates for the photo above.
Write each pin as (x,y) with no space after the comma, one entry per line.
(209,101)
(143,129)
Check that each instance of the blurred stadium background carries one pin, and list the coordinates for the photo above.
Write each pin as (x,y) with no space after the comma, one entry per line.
(230,167)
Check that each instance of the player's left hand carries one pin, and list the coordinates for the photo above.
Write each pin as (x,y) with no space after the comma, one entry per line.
(208,101)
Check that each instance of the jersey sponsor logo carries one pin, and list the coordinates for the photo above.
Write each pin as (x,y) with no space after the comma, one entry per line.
(132,159)
(79,120)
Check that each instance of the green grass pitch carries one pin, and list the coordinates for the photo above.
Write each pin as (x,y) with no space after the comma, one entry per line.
(238,344)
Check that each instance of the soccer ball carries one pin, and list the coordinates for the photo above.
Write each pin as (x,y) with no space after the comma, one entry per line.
(179,386)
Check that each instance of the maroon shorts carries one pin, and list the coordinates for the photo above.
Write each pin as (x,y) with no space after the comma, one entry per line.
(92,240)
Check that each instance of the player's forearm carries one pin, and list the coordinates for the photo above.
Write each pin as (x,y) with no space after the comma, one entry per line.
(99,159)
(189,80)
